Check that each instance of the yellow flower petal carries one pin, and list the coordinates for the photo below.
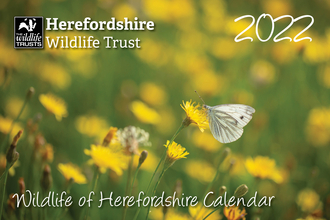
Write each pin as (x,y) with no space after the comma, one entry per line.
(54,105)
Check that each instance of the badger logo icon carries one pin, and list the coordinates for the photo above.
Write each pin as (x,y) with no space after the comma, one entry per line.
(29,27)
(28,32)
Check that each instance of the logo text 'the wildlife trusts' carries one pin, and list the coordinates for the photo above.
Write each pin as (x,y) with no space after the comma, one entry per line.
(28,32)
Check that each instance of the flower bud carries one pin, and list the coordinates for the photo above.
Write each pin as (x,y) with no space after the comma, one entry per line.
(143,157)
(30,93)
(231,164)
(21,184)
(222,190)
(46,179)
(224,155)
(241,191)
(110,136)
(12,155)
(11,202)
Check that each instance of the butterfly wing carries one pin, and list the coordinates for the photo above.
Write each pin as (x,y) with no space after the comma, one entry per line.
(227,121)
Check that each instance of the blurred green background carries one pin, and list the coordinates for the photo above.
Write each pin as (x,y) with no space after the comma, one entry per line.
(191,48)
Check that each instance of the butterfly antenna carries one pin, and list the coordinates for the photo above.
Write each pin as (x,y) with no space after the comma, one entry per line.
(200,97)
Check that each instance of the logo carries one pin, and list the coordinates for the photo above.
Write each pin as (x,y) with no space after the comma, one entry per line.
(28,32)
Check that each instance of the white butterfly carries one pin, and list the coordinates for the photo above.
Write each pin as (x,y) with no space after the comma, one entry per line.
(227,121)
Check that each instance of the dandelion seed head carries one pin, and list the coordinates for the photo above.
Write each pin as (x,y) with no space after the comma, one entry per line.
(132,137)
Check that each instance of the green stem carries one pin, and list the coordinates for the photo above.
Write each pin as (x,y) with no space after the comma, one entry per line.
(128,183)
(135,175)
(3,189)
(5,80)
(212,212)
(13,123)
(66,188)
(164,155)
(161,160)
(154,191)
(223,157)
(95,179)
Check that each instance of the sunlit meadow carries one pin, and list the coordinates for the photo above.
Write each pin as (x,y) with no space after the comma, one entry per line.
(126,121)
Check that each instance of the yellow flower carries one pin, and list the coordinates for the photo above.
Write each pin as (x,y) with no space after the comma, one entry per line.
(264,168)
(5,125)
(308,200)
(107,158)
(277,7)
(91,125)
(54,74)
(318,126)
(208,82)
(124,10)
(195,115)
(168,121)
(144,113)
(174,152)
(71,171)
(54,105)
(170,11)
(153,94)
(237,168)
(242,96)
(324,76)
(284,53)
(263,72)
(199,212)
(214,11)
(13,107)
(206,141)
(225,48)
(3,163)
(234,213)
(157,54)
(200,170)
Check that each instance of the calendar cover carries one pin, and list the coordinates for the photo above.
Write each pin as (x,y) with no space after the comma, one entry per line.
(164,110)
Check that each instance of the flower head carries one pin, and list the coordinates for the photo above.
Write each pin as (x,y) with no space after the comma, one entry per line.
(91,125)
(107,158)
(318,126)
(200,170)
(6,124)
(308,200)
(174,152)
(132,137)
(71,171)
(54,105)
(234,213)
(264,168)
(194,115)
(145,114)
